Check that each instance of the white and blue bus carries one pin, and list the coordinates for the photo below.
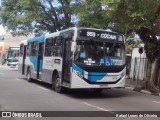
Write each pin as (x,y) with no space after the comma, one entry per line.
(75,58)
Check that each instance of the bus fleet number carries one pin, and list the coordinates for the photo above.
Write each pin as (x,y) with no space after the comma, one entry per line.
(91,34)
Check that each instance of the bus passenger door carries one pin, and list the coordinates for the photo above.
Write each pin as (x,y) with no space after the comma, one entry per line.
(66,61)
(23,61)
(40,60)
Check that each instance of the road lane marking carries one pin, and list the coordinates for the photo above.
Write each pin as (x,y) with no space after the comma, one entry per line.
(17,79)
(43,88)
(156,102)
(97,107)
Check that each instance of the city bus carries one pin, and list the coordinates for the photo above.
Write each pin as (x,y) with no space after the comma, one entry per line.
(77,58)
(12,56)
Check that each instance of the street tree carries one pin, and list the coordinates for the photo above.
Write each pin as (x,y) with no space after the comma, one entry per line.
(91,14)
(128,16)
(142,17)
(132,42)
(37,16)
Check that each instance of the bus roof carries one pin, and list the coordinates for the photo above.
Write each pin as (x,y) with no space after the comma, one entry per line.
(24,42)
(59,32)
(97,29)
(77,28)
(39,39)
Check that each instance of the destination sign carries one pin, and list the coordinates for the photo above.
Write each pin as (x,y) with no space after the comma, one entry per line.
(13,48)
(98,34)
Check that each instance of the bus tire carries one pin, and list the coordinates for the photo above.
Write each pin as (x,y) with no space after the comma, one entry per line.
(29,79)
(57,85)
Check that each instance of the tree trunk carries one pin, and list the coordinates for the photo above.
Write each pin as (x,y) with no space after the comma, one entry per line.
(153,74)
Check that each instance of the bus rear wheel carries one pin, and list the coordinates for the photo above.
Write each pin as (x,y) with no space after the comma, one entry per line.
(29,79)
(57,84)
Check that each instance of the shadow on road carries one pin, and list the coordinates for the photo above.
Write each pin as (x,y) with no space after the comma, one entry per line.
(86,93)
(106,93)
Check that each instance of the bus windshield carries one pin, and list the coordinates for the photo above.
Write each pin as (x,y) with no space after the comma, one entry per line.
(99,53)
(13,54)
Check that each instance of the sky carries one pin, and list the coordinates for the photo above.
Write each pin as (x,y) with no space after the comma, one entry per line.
(2,31)
(1,27)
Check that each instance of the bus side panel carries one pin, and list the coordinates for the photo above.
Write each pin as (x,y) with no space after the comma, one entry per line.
(49,66)
(47,70)
(47,76)
(30,65)
(33,73)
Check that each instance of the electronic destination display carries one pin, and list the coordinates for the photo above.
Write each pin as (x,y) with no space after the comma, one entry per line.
(97,34)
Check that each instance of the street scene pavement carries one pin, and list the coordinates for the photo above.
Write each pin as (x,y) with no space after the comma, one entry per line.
(17,94)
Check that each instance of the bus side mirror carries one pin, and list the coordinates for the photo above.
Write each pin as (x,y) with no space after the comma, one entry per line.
(73,46)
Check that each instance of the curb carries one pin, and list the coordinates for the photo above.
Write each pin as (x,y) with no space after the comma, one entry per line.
(143,91)
(146,92)
(129,88)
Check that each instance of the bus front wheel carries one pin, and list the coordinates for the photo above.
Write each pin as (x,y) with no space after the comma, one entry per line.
(57,84)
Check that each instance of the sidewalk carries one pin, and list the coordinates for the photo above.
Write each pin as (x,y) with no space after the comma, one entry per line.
(3,64)
(131,85)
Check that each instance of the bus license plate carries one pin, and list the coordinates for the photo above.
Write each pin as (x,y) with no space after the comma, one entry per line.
(104,85)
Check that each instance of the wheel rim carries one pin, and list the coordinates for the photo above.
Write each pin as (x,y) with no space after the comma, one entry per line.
(28,75)
(57,84)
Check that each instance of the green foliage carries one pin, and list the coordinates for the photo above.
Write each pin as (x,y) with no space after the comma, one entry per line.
(126,16)
(134,14)
(27,16)
(132,43)
(153,50)
(91,14)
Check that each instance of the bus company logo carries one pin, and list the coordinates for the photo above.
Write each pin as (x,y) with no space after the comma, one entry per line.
(6,114)
(78,73)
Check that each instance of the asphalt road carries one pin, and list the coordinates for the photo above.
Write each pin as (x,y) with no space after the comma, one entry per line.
(16,94)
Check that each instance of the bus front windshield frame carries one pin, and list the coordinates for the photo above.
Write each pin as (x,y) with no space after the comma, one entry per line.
(99,53)
(13,55)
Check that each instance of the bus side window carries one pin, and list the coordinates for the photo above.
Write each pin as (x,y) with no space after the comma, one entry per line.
(32,49)
(35,48)
(29,49)
(41,50)
(48,47)
(58,46)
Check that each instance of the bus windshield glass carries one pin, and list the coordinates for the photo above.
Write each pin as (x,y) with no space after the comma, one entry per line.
(13,54)
(100,53)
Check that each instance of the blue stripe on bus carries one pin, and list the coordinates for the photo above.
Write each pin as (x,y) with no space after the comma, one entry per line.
(33,60)
(39,39)
(40,67)
(92,76)
(95,76)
